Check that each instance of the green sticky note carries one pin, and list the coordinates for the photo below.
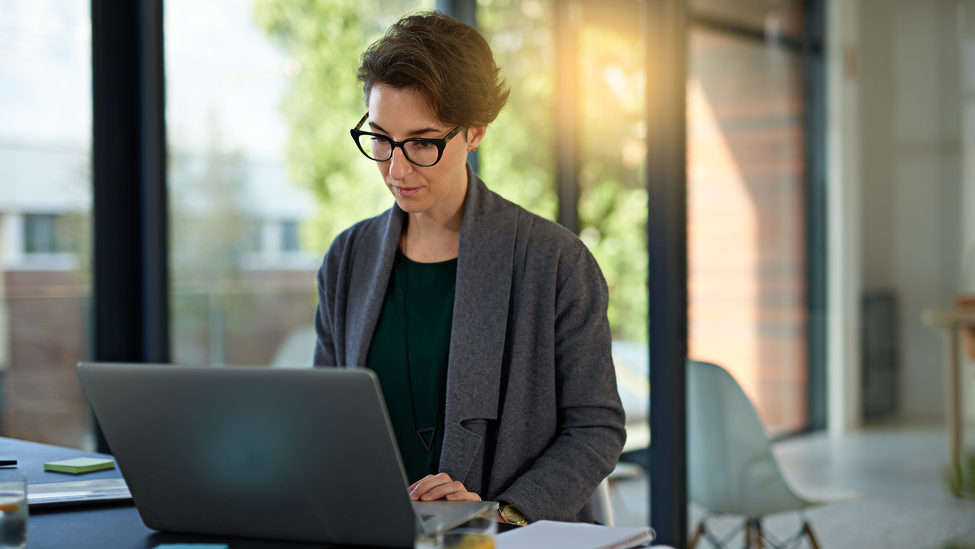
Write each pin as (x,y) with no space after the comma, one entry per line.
(78,466)
(193,546)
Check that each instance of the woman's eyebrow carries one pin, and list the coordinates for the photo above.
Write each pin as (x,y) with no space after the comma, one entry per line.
(422,131)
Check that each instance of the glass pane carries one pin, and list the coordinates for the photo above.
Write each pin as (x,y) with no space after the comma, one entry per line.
(519,162)
(260,177)
(773,17)
(517,158)
(613,219)
(45,204)
(746,235)
(237,292)
(613,198)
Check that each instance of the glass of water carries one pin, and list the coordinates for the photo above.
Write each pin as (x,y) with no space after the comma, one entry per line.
(13,511)
(477,533)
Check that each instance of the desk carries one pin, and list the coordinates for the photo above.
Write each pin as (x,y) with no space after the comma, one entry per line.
(951,322)
(101,526)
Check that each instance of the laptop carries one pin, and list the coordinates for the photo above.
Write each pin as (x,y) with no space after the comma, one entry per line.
(295,454)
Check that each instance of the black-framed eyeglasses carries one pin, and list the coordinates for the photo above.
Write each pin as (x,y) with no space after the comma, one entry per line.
(419,151)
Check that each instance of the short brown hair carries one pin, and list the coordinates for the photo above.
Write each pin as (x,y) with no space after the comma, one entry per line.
(448,62)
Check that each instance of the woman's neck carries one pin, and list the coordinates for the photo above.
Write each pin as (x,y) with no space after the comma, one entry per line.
(429,240)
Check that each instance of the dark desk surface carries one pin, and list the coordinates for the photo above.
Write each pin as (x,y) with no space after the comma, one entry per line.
(102,526)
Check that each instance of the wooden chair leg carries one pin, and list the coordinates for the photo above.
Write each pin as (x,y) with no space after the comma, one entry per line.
(809,534)
(697,534)
(758,534)
(749,534)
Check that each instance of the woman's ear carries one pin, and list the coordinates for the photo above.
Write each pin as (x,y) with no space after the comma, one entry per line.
(474,136)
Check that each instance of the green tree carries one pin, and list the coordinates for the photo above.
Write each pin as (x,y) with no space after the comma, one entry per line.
(326,38)
(517,158)
(613,201)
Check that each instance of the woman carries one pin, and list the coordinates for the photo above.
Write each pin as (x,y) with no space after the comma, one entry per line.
(485,324)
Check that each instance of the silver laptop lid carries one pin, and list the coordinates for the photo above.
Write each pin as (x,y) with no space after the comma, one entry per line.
(304,455)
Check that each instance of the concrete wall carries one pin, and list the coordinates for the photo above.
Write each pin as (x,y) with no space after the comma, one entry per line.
(909,70)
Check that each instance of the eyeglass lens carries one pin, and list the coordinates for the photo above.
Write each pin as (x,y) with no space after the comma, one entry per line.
(380,149)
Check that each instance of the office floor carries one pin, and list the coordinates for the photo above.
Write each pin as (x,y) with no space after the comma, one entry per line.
(896,472)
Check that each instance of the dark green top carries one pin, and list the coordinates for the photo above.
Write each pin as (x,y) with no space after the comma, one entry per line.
(423,293)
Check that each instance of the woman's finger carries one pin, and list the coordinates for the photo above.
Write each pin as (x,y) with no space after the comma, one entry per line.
(427,483)
(414,485)
(454,488)
(463,496)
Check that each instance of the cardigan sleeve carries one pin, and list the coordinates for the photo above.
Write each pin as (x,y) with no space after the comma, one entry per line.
(328,323)
(590,415)
(324,344)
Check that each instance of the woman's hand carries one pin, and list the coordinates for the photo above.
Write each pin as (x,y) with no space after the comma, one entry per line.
(440,486)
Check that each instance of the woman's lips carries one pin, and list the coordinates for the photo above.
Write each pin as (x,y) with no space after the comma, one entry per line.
(406,191)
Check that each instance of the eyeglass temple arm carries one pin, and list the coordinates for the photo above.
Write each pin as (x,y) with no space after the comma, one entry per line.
(361,122)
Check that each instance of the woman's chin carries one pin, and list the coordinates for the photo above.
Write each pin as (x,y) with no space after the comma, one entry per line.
(409,204)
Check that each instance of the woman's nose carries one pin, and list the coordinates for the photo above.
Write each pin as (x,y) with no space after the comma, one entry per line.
(399,166)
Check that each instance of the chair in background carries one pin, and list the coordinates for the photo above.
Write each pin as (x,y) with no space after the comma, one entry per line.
(602,505)
(731,469)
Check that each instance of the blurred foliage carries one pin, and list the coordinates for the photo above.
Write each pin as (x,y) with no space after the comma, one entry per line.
(326,39)
(517,157)
(613,198)
(961,480)
(518,160)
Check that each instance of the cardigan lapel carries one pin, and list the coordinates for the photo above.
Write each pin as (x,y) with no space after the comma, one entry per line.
(362,321)
(477,340)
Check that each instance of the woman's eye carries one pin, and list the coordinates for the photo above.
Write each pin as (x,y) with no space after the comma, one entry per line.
(423,144)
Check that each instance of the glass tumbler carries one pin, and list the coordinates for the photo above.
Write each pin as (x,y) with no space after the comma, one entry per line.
(477,533)
(13,511)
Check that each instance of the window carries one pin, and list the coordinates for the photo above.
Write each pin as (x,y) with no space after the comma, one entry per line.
(746,203)
(47,234)
(45,204)
(261,180)
(290,241)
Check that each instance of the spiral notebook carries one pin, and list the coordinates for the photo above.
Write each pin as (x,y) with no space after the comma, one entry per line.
(103,490)
(574,535)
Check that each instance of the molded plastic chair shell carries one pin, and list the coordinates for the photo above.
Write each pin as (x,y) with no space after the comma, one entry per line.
(602,505)
(731,466)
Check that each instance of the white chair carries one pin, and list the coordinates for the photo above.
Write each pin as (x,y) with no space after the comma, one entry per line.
(297,349)
(731,469)
(602,505)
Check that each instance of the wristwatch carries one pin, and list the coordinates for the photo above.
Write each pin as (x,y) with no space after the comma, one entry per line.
(510,514)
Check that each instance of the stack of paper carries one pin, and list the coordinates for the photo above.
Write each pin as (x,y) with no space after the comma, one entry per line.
(574,535)
(81,491)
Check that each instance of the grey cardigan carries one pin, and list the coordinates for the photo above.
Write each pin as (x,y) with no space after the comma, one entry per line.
(533,416)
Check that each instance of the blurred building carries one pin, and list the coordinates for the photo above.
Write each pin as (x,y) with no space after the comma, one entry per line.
(264,291)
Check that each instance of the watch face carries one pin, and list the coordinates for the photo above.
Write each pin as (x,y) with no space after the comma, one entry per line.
(512,515)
